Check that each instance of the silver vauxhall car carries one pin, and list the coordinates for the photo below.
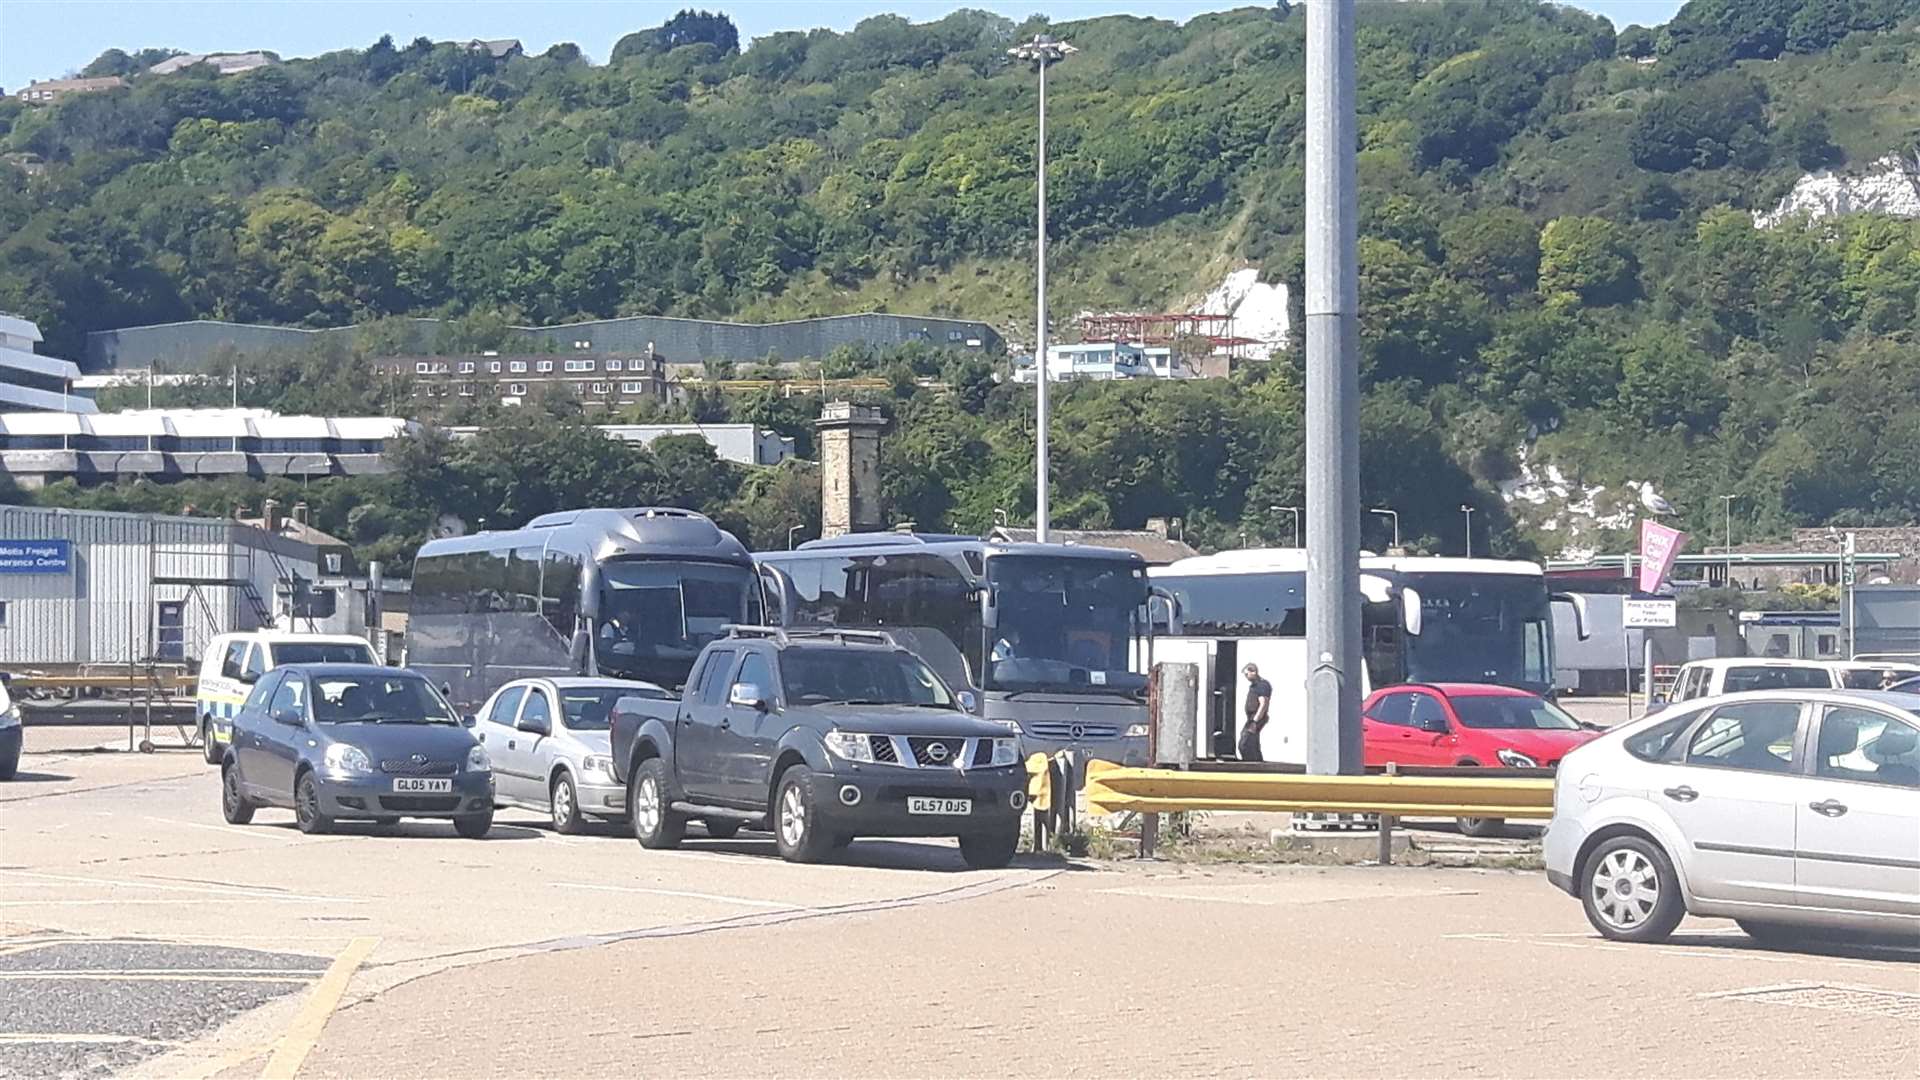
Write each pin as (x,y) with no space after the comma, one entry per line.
(548,741)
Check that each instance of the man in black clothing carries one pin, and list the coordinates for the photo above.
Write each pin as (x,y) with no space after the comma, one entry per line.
(1259,700)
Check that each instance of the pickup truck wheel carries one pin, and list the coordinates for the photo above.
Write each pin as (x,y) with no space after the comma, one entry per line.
(565,802)
(797,829)
(722,828)
(655,824)
(990,851)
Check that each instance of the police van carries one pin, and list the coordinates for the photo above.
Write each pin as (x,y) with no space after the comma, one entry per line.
(234,662)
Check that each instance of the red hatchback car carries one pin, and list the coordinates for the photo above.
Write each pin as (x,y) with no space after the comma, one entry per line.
(1448,724)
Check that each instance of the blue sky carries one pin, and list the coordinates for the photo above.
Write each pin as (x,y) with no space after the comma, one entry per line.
(45,39)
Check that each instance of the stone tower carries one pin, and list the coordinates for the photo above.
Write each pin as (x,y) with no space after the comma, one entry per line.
(849,467)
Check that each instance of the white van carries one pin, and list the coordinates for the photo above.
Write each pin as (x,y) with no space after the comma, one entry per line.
(234,662)
(1732,675)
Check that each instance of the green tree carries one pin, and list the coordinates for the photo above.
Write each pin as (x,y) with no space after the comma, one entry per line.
(1588,258)
(1667,381)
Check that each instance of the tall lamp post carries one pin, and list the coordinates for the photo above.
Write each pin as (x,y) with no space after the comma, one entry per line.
(1043,51)
(1468,510)
(1395,515)
(1295,511)
(1727,501)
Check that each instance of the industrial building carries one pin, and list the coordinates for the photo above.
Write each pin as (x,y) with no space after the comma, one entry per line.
(90,590)
(187,346)
(172,444)
(31,381)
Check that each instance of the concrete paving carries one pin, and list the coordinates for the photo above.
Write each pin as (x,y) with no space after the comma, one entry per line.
(413,952)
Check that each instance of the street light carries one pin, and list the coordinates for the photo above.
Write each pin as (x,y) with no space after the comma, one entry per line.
(1395,515)
(1295,511)
(1468,510)
(1043,51)
(791,529)
(1728,501)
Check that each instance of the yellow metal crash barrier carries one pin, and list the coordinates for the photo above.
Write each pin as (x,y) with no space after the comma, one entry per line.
(1039,782)
(1113,789)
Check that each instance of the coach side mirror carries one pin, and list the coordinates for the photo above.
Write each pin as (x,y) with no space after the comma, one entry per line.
(989,607)
(1410,614)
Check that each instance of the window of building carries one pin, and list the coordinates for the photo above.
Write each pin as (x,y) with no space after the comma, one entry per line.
(630,388)
(518,366)
(3,614)
(546,366)
(466,367)
(579,365)
(615,365)
(599,388)
(494,367)
(516,389)
(466,389)
(955,335)
(422,368)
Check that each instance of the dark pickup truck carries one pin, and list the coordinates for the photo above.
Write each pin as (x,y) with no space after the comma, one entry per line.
(819,737)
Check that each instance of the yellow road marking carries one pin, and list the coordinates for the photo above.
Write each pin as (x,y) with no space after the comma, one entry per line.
(292,1049)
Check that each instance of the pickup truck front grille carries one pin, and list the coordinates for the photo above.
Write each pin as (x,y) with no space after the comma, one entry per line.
(937,753)
(919,751)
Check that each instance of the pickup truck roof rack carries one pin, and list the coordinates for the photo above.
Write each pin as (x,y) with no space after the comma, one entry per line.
(838,635)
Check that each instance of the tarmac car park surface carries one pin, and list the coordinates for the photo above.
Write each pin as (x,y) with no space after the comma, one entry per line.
(140,935)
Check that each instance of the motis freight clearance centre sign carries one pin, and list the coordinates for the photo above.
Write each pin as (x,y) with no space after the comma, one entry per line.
(36,556)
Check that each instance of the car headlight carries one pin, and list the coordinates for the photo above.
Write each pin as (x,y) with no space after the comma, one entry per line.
(478,761)
(848,745)
(1136,731)
(342,758)
(1514,759)
(595,763)
(1006,751)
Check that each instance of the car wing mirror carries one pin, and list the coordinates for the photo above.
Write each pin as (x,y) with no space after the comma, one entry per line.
(747,696)
(468,719)
(969,700)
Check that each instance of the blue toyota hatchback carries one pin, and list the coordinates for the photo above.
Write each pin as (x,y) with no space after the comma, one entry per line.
(362,742)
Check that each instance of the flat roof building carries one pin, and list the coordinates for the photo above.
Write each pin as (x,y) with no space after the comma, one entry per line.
(172,444)
(31,381)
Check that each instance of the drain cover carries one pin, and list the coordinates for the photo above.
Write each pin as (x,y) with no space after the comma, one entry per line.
(1857,1000)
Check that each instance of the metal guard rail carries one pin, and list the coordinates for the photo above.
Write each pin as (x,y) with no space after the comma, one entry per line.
(1114,788)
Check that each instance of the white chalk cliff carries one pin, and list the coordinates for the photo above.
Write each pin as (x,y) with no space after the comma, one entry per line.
(1259,310)
(1889,186)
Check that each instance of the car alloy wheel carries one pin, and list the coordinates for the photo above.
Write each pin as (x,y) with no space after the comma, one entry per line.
(793,816)
(1626,889)
(646,806)
(566,807)
(236,807)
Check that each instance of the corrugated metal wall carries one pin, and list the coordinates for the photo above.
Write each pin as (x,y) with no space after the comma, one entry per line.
(105,609)
(187,346)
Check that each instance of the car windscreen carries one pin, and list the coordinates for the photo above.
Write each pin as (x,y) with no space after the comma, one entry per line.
(1511,712)
(321,652)
(385,699)
(588,707)
(1775,678)
(818,676)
